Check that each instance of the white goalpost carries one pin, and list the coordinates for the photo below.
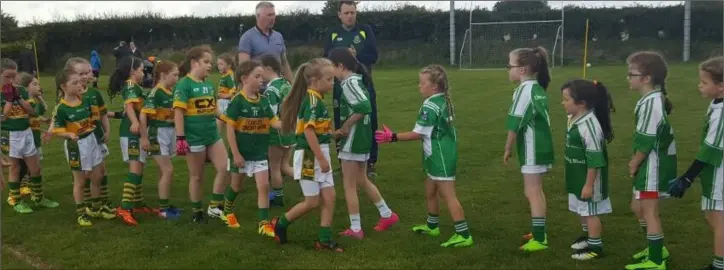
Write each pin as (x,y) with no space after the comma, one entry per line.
(486,44)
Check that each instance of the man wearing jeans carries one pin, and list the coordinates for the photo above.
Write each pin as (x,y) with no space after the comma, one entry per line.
(360,39)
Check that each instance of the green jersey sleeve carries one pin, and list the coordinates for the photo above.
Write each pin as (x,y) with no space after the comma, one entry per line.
(648,116)
(426,119)
(58,119)
(592,139)
(180,96)
(712,145)
(132,94)
(275,98)
(101,103)
(355,95)
(521,111)
(149,104)
(232,113)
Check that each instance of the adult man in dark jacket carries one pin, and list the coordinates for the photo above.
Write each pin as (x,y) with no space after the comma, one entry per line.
(360,39)
(121,51)
(26,60)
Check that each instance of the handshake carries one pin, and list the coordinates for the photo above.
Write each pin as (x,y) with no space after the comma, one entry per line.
(10,93)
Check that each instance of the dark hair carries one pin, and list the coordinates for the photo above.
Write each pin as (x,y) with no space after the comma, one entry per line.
(163,67)
(438,77)
(193,54)
(536,61)
(271,61)
(341,3)
(653,65)
(597,98)
(61,78)
(25,79)
(123,71)
(229,59)
(245,69)
(312,69)
(342,56)
(715,67)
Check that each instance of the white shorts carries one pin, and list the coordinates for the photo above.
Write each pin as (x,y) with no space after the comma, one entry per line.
(353,156)
(587,209)
(83,155)
(200,148)
(250,167)
(310,175)
(222,104)
(104,149)
(163,143)
(535,169)
(131,149)
(711,205)
(18,144)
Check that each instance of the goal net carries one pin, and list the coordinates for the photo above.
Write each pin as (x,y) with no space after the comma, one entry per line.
(486,44)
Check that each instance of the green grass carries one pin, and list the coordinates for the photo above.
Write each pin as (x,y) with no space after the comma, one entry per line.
(491,194)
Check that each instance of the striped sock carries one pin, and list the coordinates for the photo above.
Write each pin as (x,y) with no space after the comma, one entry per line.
(585,228)
(216,200)
(718,263)
(197,207)
(36,187)
(229,200)
(539,229)
(163,204)
(86,192)
(79,209)
(656,245)
(104,189)
(129,191)
(14,191)
(432,221)
(278,193)
(461,228)
(595,243)
(138,194)
(95,204)
(642,224)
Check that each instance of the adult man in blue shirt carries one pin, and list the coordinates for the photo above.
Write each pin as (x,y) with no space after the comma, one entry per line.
(262,39)
(360,39)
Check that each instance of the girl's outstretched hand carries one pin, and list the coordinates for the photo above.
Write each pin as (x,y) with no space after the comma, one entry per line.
(385,135)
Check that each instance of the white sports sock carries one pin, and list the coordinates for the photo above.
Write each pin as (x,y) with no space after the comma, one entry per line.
(385,212)
(355,222)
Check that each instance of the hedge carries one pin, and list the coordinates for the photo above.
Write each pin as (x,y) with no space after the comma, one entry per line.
(403,26)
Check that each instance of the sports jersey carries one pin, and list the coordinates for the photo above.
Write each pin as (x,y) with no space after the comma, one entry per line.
(227,84)
(313,113)
(711,151)
(586,149)
(655,138)
(132,94)
(198,98)
(35,122)
(275,92)
(98,106)
(73,118)
(252,119)
(528,117)
(17,119)
(439,138)
(355,100)
(158,107)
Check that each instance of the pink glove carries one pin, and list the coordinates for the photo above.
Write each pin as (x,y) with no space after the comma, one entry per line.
(182,146)
(385,135)
(8,92)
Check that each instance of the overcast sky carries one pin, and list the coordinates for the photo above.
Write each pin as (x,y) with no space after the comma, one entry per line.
(44,11)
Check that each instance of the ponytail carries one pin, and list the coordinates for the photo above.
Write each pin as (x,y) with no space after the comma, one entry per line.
(293,101)
(121,74)
(184,68)
(543,75)
(602,108)
(668,107)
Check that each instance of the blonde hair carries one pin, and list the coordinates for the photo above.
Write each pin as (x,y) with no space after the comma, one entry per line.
(715,67)
(305,73)
(438,77)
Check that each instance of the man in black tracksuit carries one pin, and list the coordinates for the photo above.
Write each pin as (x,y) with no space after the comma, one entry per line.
(360,40)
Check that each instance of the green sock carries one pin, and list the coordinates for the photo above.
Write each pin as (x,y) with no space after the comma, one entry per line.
(325,234)
(129,190)
(539,229)
(642,224)
(104,189)
(432,221)
(216,199)
(197,207)
(718,262)
(229,200)
(36,187)
(264,214)
(79,208)
(163,204)
(86,192)
(656,245)
(595,243)
(461,228)
(278,193)
(14,191)
(283,221)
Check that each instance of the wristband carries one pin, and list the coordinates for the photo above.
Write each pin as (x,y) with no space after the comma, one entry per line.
(394,137)
(180,137)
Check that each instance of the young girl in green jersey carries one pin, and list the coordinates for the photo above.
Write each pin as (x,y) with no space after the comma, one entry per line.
(194,106)
(653,163)
(227,86)
(306,115)
(73,120)
(434,127)
(82,67)
(249,119)
(16,139)
(280,145)
(125,81)
(588,105)
(529,129)
(709,164)
(158,136)
(356,143)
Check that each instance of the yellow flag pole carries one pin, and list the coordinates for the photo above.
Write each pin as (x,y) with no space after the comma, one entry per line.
(37,67)
(585,51)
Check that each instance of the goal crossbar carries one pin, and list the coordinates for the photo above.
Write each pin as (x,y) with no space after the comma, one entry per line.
(517,22)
